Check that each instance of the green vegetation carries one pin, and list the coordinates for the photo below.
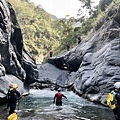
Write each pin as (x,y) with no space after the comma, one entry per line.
(41,33)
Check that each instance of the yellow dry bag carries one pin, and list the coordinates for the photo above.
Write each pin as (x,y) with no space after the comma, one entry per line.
(13,116)
(111,101)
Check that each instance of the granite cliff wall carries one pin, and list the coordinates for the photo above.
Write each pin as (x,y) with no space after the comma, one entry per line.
(16,64)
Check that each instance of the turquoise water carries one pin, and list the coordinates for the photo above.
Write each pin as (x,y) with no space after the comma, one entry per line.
(39,106)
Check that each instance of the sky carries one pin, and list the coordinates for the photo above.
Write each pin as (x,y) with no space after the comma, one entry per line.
(60,8)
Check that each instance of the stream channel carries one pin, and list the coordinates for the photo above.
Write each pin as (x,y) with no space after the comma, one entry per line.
(39,106)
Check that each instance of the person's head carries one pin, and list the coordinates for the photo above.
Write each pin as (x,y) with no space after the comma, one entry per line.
(11,85)
(59,89)
(117,85)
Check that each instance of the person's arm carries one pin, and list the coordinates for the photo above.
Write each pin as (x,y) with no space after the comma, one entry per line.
(18,96)
(54,98)
(118,96)
(64,96)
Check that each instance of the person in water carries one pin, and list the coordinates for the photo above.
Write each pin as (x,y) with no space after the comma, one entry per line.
(58,98)
(13,97)
(116,110)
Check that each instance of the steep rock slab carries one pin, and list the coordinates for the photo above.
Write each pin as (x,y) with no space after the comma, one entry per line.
(51,74)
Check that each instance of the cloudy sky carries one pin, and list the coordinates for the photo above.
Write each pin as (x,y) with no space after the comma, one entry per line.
(60,8)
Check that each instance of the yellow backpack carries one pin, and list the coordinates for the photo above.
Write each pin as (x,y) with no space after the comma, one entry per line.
(13,116)
(111,100)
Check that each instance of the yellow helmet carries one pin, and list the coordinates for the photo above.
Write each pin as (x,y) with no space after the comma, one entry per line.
(15,86)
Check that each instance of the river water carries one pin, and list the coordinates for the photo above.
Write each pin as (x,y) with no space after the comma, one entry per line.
(39,106)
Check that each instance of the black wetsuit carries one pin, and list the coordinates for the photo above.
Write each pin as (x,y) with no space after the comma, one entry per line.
(13,98)
(116,111)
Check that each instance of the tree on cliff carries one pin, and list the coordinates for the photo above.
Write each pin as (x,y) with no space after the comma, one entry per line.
(37,27)
(41,33)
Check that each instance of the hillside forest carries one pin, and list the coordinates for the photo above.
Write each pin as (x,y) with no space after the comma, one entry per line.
(42,32)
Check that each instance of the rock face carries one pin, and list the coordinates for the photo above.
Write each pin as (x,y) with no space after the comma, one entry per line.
(16,64)
(48,73)
(95,63)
